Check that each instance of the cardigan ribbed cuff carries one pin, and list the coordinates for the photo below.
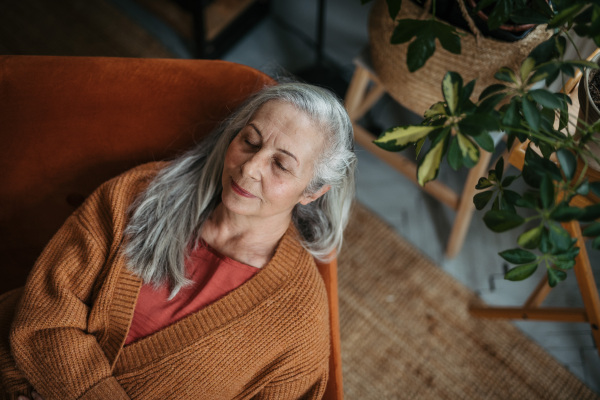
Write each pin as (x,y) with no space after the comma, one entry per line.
(108,388)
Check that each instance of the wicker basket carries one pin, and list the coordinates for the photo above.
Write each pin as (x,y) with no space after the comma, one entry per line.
(419,90)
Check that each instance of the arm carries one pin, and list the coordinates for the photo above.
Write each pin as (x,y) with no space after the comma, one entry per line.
(307,387)
(49,338)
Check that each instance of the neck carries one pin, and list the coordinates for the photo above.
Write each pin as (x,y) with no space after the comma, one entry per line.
(249,240)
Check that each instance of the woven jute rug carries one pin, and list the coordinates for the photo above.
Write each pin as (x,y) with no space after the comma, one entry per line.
(407,334)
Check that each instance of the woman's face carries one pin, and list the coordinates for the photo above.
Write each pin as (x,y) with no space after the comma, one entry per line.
(270,162)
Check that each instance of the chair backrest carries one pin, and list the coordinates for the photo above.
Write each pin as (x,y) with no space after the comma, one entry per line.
(67,124)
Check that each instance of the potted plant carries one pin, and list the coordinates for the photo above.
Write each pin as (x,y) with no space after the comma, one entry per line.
(457,127)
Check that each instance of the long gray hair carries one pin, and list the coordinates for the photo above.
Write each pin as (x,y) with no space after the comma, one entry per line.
(167,217)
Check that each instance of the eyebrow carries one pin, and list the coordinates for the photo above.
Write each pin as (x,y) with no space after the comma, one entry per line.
(281,150)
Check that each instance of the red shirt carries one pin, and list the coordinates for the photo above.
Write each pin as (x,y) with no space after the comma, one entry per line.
(214,275)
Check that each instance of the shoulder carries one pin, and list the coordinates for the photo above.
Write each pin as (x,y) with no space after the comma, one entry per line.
(130,182)
(306,304)
(111,201)
(304,277)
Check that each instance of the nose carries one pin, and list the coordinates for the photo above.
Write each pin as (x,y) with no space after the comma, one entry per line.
(252,168)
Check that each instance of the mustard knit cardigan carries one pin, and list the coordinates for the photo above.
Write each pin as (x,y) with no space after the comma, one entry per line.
(268,339)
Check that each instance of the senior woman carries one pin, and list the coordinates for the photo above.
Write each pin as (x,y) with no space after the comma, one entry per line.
(195,278)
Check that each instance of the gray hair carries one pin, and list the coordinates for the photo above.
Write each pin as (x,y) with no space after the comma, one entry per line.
(166,218)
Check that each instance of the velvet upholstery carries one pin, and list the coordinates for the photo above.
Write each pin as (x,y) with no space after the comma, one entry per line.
(67,124)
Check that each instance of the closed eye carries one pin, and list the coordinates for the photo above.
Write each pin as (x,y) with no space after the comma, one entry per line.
(280,166)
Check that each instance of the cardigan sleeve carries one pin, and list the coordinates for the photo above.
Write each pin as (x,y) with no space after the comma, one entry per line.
(309,387)
(49,339)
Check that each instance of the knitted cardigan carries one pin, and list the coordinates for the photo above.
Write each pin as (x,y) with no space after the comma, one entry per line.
(267,339)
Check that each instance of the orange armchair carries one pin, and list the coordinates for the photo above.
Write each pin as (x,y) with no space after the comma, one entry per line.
(68,124)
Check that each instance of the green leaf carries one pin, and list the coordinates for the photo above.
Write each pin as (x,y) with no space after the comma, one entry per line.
(499,14)
(563,119)
(570,254)
(521,272)
(454,156)
(451,85)
(435,110)
(596,243)
(419,51)
(481,199)
(526,68)
(531,113)
(545,244)
(468,149)
(430,164)
(564,16)
(398,138)
(448,37)
(559,237)
(405,30)
(531,238)
(538,75)
(527,201)
(590,213)
(483,183)
(546,98)
(564,264)
(418,146)
(555,276)
(567,161)
(592,230)
(476,124)
(529,16)
(509,180)
(467,91)
(536,166)
(564,213)
(545,51)
(490,102)
(584,188)
(550,71)
(583,63)
(511,114)
(483,4)
(595,186)
(485,141)
(499,168)
(546,149)
(491,90)
(547,192)
(518,256)
(502,220)
(511,197)
(506,74)
(567,69)
(425,33)
(393,7)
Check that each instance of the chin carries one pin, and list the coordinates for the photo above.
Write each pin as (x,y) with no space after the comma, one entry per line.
(234,203)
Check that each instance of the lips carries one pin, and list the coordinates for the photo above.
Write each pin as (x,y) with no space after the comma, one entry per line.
(239,190)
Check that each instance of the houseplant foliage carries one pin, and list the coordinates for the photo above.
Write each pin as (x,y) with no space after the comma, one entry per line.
(519,106)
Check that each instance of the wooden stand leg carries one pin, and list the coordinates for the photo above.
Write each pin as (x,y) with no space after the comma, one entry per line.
(356,91)
(466,207)
(586,281)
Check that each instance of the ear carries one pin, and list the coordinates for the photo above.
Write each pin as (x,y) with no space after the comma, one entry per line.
(309,198)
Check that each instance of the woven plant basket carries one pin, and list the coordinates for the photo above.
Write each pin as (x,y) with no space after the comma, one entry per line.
(419,90)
